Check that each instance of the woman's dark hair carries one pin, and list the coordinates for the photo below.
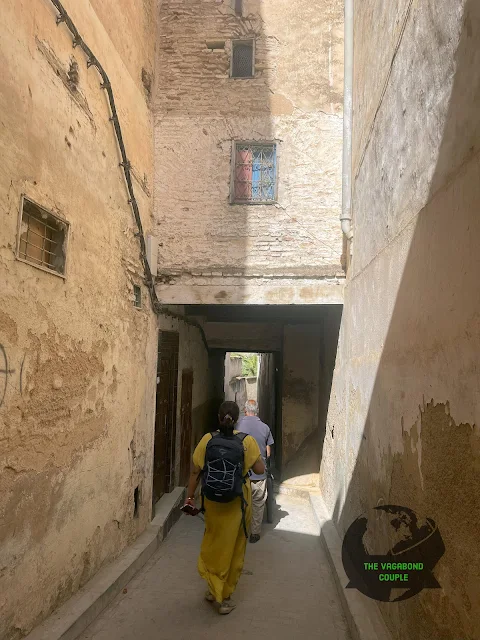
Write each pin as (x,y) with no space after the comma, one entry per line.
(228,416)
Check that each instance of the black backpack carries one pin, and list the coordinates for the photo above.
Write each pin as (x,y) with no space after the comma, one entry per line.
(222,474)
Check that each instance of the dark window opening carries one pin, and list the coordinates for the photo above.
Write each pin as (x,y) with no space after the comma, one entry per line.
(42,238)
(242,59)
(238,7)
(254,173)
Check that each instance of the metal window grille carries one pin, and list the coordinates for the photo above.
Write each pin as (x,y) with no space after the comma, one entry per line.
(255,173)
(137,300)
(42,238)
(242,59)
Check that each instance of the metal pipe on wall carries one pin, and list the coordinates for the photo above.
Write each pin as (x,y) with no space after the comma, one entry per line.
(346,214)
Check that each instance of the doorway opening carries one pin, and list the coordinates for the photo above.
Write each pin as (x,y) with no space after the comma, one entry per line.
(165,414)
(257,376)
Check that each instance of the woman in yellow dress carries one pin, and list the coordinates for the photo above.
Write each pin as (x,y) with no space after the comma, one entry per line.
(224,542)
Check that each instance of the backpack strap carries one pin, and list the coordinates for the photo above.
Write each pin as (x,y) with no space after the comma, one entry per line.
(241,436)
(244,522)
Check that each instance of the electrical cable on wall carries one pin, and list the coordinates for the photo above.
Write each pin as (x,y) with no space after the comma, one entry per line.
(92,61)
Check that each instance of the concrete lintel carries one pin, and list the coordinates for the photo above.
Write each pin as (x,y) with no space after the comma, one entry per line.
(363,615)
(72,618)
(261,291)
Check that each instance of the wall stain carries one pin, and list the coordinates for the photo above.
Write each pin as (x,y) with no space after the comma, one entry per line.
(69,78)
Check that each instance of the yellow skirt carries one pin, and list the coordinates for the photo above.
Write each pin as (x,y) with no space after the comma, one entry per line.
(223,547)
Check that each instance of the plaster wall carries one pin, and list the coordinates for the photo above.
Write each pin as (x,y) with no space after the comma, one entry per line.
(252,388)
(404,407)
(261,254)
(77,381)
(193,355)
(244,336)
(266,390)
(300,390)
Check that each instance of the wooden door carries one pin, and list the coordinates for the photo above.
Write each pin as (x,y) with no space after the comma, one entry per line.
(186,425)
(165,414)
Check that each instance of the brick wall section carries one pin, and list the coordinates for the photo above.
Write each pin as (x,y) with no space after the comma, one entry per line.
(295,98)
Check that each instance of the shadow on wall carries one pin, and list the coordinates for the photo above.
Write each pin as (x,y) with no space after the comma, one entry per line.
(430,358)
(200,112)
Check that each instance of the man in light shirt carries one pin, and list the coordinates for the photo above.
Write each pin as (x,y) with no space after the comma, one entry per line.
(253,426)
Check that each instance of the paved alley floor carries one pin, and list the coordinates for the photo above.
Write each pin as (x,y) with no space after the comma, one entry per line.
(286,590)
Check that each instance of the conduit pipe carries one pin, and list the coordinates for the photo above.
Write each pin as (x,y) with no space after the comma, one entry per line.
(346,214)
(92,61)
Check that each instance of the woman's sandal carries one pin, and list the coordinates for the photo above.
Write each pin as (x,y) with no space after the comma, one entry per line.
(226,607)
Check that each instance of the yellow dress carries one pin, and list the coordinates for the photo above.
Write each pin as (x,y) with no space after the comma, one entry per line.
(223,547)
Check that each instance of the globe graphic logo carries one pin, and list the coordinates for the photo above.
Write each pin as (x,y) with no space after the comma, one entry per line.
(389,555)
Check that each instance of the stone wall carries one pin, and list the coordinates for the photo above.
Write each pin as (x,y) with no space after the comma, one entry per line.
(77,359)
(404,406)
(287,252)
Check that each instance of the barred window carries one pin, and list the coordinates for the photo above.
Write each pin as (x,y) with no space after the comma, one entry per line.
(42,238)
(137,296)
(254,173)
(242,59)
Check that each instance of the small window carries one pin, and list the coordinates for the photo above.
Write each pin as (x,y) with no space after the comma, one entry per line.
(42,238)
(242,59)
(137,296)
(254,173)
(238,7)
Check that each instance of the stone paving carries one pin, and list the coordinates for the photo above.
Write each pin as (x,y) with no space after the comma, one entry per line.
(286,591)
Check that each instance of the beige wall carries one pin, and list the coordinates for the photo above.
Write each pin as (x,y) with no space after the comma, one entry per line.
(258,254)
(401,425)
(252,388)
(76,421)
(233,369)
(77,405)
(300,390)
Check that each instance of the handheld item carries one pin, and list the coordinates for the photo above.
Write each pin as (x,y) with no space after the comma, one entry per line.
(189,510)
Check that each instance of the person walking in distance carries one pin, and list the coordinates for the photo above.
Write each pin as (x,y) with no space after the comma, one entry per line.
(253,426)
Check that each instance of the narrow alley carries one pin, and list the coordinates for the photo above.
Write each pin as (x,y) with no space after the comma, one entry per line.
(257,216)
(286,589)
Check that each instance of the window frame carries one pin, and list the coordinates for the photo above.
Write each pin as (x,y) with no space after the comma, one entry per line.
(136,287)
(64,222)
(232,44)
(248,203)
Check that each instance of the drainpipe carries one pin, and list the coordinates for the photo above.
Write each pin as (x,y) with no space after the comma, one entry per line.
(346,214)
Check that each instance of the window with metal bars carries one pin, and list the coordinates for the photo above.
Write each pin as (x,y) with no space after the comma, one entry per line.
(242,59)
(254,173)
(137,296)
(42,238)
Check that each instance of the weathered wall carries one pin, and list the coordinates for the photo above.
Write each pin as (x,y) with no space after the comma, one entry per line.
(300,391)
(266,390)
(244,336)
(77,401)
(193,355)
(404,412)
(233,369)
(289,252)
(251,388)
(235,385)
